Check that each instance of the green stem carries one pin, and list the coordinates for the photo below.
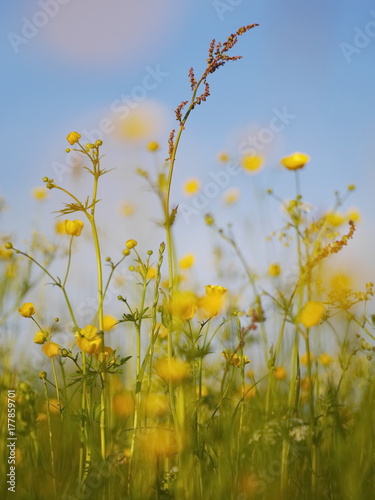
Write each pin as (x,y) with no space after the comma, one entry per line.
(50,439)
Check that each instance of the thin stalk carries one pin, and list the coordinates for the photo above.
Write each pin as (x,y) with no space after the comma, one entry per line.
(50,439)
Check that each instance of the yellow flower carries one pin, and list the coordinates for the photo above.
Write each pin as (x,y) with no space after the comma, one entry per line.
(73,227)
(40,337)
(158,443)
(250,391)
(153,146)
(335,219)
(123,404)
(27,309)
(172,369)
(235,360)
(325,359)
(295,161)
(40,193)
(130,244)
(215,290)
(304,359)
(103,356)
(5,253)
(73,137)
(223,157)
(50,349)
(162,331)
(60,227)
(183,305)
(341,282)
(155,405)
(151,273)
(204,391)
(353,214)
(127,208)
(88,340)
(231,196)
(191,187)
(274,270)
(252,163)
(311,314)
(187,261)
(109,322)
(279,373)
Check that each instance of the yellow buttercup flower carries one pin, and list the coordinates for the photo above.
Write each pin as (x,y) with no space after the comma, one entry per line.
(231,196)
(131,244)
(252,163)
(304,359)
(123,404)
(60,227)
(51,349)
(295,161)
(40,193)
(5,253)
(73,227)
(158,443)
(40,337)
(103,356)
(187,261)
(311,314)
(73,137)
(353,214)
(88,340)
(274,270)
(183,305)
(153,146)
(172,369)
(335,219)
(109,322)
(151,273)
(212,303)
(215,290)
(280,373)
(27,309)
(191,186)
(325,359)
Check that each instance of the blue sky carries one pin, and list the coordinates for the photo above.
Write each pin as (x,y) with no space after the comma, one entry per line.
(69,73)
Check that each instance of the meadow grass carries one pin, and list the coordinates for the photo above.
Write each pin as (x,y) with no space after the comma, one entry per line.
(197,418)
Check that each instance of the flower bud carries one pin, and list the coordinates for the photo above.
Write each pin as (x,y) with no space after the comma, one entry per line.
(73,137)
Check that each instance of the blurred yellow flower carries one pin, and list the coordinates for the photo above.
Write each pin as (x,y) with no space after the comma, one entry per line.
(88,340)
(252,163)
(131,244)
(153,146)
(274,270)
(191,186)
(155,405)
(353,214)
(40,193)
(163,331)
(325,359)
(73,227)
(73,137)
(27,309)
(127,208)
(183,305)
(158,443)
(103,356)
(5,253)
(123,404)
(187,261)
(204,391)
(304,358)
(51,349)
(40,337)
(223,156)
(172,369)
(341,282)
(213,302)
(311,313)
(231,196)
(295,161)
(280,373)
(151,273)
(60,227)
(250,391)
(109,322)
(335,219)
